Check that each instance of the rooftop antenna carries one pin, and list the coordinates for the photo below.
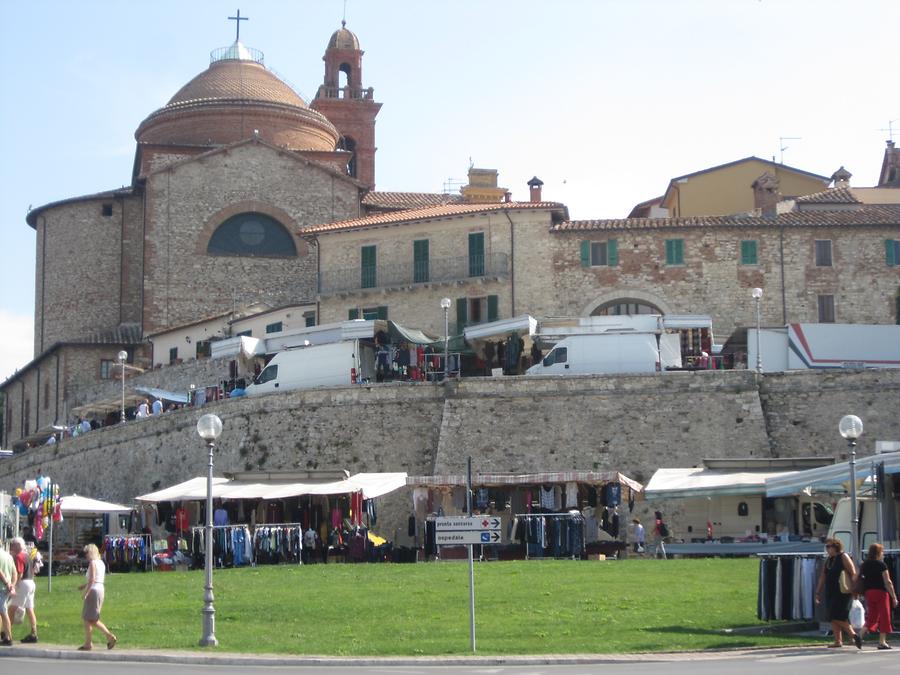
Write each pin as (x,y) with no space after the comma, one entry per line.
(344,18)
(890,128)
(237,20)
(783,147)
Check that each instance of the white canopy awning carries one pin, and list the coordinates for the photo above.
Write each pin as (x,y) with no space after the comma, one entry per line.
(497,479)
(370,484)
(703,482)
(830,478)
(525,325)
(75,504)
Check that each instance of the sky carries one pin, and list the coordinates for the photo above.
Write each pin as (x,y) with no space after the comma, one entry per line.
(604,101)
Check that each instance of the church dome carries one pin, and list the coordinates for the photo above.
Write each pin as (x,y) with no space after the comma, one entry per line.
(237,97)
(343,39)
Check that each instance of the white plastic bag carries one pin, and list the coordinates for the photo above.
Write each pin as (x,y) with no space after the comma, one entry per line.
(19,615)
(857,615)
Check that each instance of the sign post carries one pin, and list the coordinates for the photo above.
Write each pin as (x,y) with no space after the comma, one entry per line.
(469,531)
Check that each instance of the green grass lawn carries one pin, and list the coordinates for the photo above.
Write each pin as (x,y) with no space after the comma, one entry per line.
(526,607)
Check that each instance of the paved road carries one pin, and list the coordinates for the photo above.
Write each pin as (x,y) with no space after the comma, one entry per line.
(812,661)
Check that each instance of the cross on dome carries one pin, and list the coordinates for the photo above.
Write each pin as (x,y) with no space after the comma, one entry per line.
(237,21)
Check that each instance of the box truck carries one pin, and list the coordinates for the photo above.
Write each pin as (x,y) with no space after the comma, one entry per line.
(327,365)
(802,346)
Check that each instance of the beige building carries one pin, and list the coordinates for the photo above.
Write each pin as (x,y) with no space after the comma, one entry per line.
(726,189)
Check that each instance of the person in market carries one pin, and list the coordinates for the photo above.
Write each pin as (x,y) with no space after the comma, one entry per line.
(837,602)
(8,579)
(27,563)
(94,592)
(880,594)
(638,536)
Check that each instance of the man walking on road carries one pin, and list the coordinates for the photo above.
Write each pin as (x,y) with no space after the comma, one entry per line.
(8,579)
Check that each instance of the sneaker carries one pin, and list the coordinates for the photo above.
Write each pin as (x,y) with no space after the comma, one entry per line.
(857,640)
(6,642)
(30,638)
(884,646)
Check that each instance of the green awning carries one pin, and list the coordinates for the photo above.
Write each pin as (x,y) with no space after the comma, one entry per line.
(411,335)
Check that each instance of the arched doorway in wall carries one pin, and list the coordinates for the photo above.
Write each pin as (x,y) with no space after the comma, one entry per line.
(626,302)
(626,307)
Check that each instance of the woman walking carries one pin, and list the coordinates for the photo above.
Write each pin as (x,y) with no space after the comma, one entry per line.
(880,594)
(93,599)
(837,604)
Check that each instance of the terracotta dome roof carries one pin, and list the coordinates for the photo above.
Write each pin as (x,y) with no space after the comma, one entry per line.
(343,39)
(236,80)
(234,99)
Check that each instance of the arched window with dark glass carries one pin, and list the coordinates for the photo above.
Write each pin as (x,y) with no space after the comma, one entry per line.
(252,234)
(626,307)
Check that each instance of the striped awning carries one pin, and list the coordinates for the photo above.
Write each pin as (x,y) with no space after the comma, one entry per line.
(495,479)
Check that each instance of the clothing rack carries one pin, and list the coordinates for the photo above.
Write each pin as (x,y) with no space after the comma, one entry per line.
(275,543)
(127,552)
(232,544)
(565,538)
(787,583)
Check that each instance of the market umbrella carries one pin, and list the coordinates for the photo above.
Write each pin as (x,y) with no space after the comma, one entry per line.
(74,504)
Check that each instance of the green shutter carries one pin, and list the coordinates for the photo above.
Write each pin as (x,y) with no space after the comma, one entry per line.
(476,254)
(367,267)
(585,253)
(890,252)
(493,307)
(462,314)
(353,314)
(612,253)
(420,261)
(674,251)
(748,252)
(382,312)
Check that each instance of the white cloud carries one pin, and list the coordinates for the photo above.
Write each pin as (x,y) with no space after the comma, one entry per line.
(16,341)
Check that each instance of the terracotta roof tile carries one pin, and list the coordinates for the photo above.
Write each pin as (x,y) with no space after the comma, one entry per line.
(841,195)
(401,201)
(443,211)
(862,215)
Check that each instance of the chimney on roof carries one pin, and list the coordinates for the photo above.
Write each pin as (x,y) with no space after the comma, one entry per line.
(890,167)
(765,194)
(841,178)
(534,187)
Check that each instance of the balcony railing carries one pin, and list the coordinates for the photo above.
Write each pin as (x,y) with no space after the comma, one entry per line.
(435,270)
(365,93)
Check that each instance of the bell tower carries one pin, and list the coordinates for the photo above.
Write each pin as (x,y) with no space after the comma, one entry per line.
(349,106)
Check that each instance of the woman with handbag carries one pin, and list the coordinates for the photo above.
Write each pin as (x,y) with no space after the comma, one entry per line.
(880,594)
(836,580)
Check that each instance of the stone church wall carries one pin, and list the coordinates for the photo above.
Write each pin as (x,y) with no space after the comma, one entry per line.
(78,280)
(634,424)
(186,203)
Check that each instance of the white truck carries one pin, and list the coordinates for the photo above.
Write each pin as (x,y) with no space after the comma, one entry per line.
(801,346)
(643,343)
(326,365)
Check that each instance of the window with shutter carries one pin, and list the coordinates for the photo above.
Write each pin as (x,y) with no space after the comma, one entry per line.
(892,252)
(353,314)
(612,253)
(748,252)
(476,254)
(367,267)
(674,251)
(462,314)
(823,253)
(585,254)
(826,308)
(493,308)
(420,261)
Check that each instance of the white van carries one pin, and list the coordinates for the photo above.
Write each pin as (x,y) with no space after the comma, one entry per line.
(609,353)
(867,512)
(328,365)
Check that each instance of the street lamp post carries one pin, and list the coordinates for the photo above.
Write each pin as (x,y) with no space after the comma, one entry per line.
(445,304)
(123,356)
(851,428)
(209,427)
(757,295)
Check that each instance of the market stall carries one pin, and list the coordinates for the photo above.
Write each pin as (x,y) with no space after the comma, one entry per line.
(568,514)
(275,517)
(89,521)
